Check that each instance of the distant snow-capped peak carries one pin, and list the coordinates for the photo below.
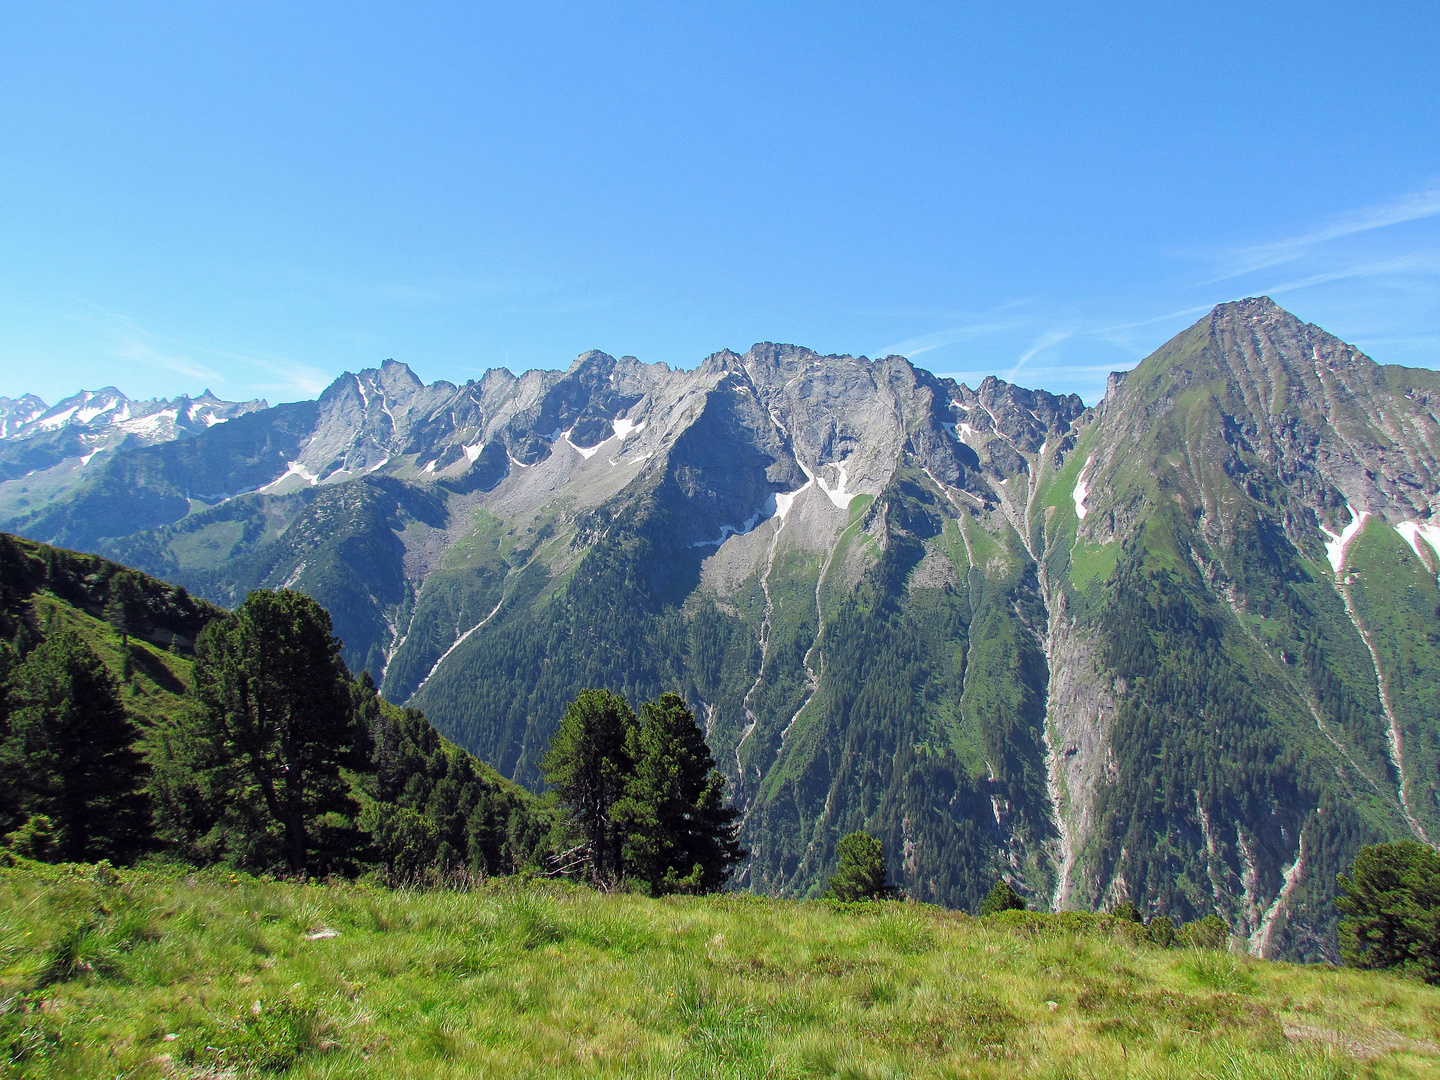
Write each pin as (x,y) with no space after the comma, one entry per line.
(102,417)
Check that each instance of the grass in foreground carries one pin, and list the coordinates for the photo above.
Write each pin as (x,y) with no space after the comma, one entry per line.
(162,973)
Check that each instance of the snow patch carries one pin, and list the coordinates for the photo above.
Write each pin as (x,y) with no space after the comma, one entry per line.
(1082,489)
(837,495)
(633,461)
(746,526)
(777,505)
(59,420)
(1415,531)
(293,468)
(148,425)
(786,499)
(294,575)
(625,428)
(84,415)
(1339,543)
(472,452)
(622,430)
(586,452)
(86,459)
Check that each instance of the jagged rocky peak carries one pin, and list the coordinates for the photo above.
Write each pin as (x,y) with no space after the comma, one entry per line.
(102,416)
(1025,418)
(845,560)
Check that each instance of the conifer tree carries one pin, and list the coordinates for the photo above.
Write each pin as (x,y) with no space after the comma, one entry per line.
(861,873)
(68,753)
(1391,903)
(272,732)
(1003,897)
(679,836)
(120,603)
(588,764)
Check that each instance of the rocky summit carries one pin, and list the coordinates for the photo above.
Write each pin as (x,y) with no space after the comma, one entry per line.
(1182,647)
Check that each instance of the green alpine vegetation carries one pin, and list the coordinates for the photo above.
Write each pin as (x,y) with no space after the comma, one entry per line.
(171,973)
(272,758)
(242,739)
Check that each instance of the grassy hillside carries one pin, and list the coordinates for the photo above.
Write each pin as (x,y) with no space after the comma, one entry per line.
(46,589)
(161,973)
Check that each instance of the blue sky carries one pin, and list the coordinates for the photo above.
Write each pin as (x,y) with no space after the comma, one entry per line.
(255,197)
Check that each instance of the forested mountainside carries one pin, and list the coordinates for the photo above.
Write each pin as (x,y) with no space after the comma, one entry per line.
(85,642)
(1179,648)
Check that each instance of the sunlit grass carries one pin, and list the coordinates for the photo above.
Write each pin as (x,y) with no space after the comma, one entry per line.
(164,973)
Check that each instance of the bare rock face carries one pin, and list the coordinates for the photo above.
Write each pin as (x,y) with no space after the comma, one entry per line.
(1179,648)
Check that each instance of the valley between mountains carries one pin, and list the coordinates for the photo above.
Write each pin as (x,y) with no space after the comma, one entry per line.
(1182,647)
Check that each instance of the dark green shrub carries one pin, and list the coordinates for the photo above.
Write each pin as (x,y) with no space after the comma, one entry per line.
(1127,911)
(1211,932)
(1161,931)
(1002,898)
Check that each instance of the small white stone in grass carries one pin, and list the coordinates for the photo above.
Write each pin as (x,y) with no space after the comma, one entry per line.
(323,932)
(257,1008)
(171,1036)
(1053,1005)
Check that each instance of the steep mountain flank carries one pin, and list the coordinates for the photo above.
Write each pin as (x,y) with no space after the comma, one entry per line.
(1266,637)
(1180,648)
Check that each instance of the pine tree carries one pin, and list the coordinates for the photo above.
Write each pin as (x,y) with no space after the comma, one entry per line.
(679,836)
(1391,903)
(1002,898)
(861,873)
(123,595)
(588,764)
(274,728)
(69,753)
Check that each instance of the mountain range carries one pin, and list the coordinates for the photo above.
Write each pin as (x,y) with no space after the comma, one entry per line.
(1182,647)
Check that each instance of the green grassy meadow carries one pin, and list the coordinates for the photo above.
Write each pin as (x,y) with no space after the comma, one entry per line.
(165,973)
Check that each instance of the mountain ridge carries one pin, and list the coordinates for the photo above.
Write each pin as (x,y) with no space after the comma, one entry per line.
(1179,647)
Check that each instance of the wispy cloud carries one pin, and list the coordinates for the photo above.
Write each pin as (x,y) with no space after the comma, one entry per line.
(140,351)
(1045,341)
(983,325)
(1423,262)
(294,375)
(1414,206)
(137,344)
(1103,331)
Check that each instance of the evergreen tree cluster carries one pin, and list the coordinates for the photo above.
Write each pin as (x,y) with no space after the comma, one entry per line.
(71,776)
(646,802)
(136,605)
(274,758)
